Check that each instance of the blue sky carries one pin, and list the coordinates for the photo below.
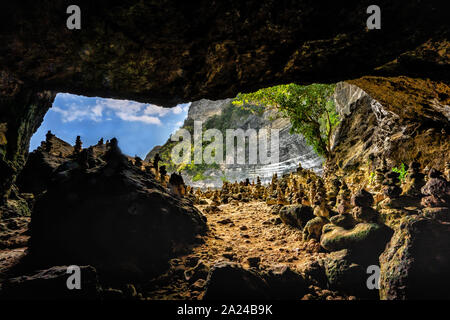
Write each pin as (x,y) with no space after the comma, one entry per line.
(137,126)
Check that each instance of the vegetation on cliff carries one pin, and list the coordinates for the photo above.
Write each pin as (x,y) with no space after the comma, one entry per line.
(227,119)
(311,110)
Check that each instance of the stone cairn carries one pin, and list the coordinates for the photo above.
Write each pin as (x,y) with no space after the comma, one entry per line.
(343,199)
(176,184)
(162,175)
(138,162)
(363,211)
(414,181)
(380,172)
(436,192)
(78,146)
(333,191)
(321,208)
(391,188)
(48,141)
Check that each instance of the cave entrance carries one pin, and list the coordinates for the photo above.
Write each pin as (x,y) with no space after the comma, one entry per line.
(137,126)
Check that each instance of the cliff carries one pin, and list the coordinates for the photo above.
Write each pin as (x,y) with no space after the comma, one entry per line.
(223,115)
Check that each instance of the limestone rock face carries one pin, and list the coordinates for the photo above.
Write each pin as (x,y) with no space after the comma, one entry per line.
(222,115)
(374,126)
(112,216)
(416,264)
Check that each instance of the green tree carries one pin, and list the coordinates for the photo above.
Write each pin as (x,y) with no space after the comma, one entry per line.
(310,109)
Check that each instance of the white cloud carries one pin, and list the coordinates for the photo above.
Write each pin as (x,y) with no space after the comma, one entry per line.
(177,110)
(103,109)
(75,112)
(141,118)
(156,110)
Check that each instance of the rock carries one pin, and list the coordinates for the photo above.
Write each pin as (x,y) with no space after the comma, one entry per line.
(229,256)
(296,215)
(364,214)
(40,164)
(225,221)
(416,262)
(253,262)
(200,271)
(191,261)
(229,281)
(286,284)
(198,285)
(347,276)
(313,228)
(114,217)
(345,221)
(51,284)
(276,209)
(362,198)
(437,190)
(414,180)
(391,188)
(314,272)
(14,208)
(364,237)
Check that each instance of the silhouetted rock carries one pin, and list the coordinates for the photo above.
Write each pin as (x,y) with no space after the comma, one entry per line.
(113,216)
(229,281)
(51,284)
(285,283)
(296,215)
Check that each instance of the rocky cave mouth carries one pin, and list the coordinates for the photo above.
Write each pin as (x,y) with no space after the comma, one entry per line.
(138,126)
(378,198)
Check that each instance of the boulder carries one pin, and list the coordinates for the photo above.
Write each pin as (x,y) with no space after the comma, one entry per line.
(228,280)
(285,283)
(51,284)
(296,215)
(416,262)
(346,275)
(364,237)
(313,228)
(112,216)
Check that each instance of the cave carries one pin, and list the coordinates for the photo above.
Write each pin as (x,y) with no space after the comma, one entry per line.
(166,53)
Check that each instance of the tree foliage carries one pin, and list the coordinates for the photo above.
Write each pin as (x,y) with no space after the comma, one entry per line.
(310,109)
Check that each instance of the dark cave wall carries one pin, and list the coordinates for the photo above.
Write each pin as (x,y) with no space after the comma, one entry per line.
(166,52)
(21,115)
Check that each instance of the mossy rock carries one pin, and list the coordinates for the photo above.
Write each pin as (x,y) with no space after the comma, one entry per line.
(416,262)
(364,237)
(345,275)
